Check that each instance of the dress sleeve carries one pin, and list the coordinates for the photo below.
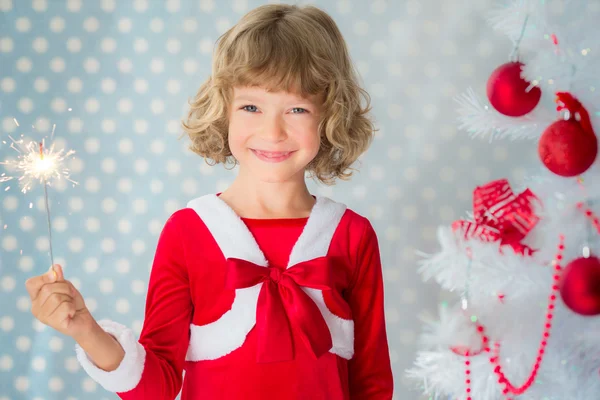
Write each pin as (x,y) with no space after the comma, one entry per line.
(152,367)
(370,373)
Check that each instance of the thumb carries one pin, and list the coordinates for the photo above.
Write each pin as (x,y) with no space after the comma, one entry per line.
(54,274)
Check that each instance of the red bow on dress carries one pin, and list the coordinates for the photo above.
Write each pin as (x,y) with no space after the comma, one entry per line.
(283,305)
(499,214)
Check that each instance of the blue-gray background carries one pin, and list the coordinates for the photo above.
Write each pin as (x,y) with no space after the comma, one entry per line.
(115,78)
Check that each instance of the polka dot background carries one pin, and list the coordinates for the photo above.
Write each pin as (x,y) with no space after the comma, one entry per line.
(115,78)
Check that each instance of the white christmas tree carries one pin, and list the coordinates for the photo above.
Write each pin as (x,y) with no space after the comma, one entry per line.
(527,323)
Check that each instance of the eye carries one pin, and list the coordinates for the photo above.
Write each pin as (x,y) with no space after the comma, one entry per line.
(299,110)
(250,108)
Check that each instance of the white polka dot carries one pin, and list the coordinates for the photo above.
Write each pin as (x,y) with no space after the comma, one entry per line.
(109,205)
(377,172)
(466,69)
(447,213)
(141,166)
(8,85)
(38,363)
(22,383)
(157,25)
(109,165)
(207,5)
(379,48)
(377,90)
(24,64)
(74,5)
(106,285)
(171,206)
(428,194)
(124,226)
(190,66)
(89,385)
(517,174)
(359,192)
(23,343)
(140,45)
(57,64)
(124,185)
(125,105)
(92,145)
(395,111)
(23,304)
(90,265)
(91,65)
(6,5)
(91,304)
(140,5)
(157,65)
(108,245)
(108,126)
(26,263)
(74,85)
(500,153)
(140,126)
(71,364)
(205,46)
(26,224)
(411,174)
(75,125)
(173,167)
(40,45)
(173,126)
(140,206)
(57,24)
(392,233)
(410,212)
(122,306)
(481,173)
(138,246)
(9,243)
(92,105)
(222,24)
(41,243)
(173,86)
(447,174)
(8,283)
(125,65)
(125,146)
(23,24)
(125,25)
(75,244)
(361,27)
(122,266)
(156,186)
(157,106)
(206,169)
(92,185)
(92,224)
(7,324)
(6,45)
(10,203)
(344,6)
(56,384)
(465,153)
(55,344)
(155,226)
(25,105)
(140,86)
(108,5)
(189,187)
(157,146)
(190,25)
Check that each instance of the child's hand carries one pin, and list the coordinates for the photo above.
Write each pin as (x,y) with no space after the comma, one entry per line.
(58,304)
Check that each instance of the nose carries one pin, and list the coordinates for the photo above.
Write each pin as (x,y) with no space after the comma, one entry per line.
(273,129)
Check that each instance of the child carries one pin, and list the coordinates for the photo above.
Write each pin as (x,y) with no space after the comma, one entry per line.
(263,291)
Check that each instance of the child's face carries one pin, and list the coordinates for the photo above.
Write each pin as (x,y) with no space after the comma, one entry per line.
(273,135)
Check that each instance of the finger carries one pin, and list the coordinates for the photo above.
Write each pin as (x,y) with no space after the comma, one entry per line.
(60,275)
(77,297)
(63,313)
(52,288)
(51,306)
(34,284)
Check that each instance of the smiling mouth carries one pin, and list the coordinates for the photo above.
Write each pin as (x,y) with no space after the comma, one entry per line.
(274,156)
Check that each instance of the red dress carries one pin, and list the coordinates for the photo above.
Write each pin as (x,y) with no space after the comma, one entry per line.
(283,309)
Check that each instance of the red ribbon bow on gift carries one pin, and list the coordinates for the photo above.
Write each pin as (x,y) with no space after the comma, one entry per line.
(499,214)
(283,306)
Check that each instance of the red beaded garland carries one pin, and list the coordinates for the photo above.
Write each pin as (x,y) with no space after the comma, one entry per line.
(508,387)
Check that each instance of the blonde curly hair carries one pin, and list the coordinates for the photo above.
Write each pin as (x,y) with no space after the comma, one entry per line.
(295,49)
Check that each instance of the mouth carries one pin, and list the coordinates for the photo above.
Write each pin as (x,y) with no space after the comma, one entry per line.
(272,156)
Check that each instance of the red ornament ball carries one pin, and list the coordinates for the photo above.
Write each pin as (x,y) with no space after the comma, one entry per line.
(580,286)
(506,91)
(566,149)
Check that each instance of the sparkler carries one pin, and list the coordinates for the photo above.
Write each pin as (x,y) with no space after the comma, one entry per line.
(38,163)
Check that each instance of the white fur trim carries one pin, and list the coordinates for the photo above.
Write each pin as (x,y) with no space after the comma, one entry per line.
(219,338)
(129,373)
